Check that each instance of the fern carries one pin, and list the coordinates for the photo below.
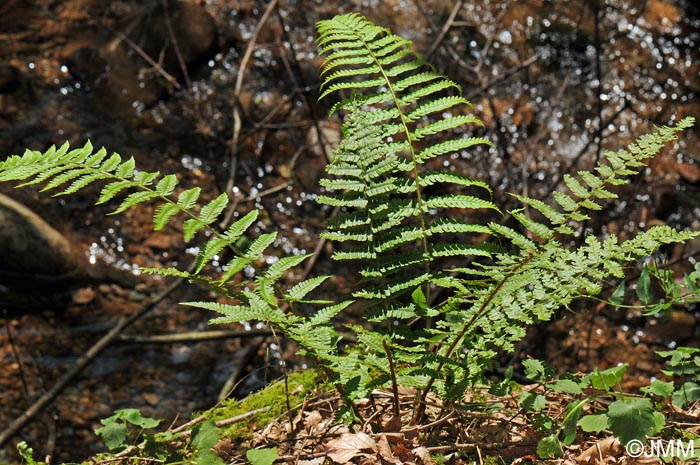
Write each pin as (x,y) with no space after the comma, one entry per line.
(68,171)
(379,173)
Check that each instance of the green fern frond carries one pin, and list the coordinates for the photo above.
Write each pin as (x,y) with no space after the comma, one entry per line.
(326,314)
(450,146)
(82,167)
(302,289)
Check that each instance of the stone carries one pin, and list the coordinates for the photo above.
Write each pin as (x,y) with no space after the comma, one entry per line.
(29,245)
(10,79)
(192,26)
(84,296)
(117,83)
(122,81)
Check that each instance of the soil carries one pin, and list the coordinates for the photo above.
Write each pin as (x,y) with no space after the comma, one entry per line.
(555,84)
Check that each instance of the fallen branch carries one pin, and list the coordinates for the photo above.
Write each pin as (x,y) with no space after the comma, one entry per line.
(192,336)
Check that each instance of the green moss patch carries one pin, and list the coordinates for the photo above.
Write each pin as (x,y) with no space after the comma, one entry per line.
(300,385)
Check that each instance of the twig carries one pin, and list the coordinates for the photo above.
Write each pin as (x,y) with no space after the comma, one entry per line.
(553,186)
(242,416)
(168,77)
(268,191)
(295,458)
(231,383)
(394,385)
(297,77)
(173,39)
(599,87)
(492,36)
(236,112)
(445,28)
(497,80)
(81,363)
(20,365)
(318,249)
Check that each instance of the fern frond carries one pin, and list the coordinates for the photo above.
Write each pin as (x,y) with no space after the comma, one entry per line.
(460,201)
(443,125)
(324,315)
(163,214)
(450,146)
(188,199)
(302,289)
(278,268)
(439,105)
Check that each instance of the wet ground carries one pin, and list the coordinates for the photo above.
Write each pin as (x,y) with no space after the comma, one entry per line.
(555,83)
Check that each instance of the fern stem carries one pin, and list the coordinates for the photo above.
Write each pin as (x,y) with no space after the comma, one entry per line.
(420,409)
(394,384)
(416,173)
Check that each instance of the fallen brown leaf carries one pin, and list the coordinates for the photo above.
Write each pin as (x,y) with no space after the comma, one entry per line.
(423,455)
(385,452)
(404,454)
(606,448)
(348,446)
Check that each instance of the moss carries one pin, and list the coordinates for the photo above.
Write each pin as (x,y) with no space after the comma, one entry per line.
(301,384)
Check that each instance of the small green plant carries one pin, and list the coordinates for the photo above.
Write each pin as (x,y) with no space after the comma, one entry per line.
(262,456)
(125,429)
(629,417)
(407,221)
(683,362)
(27,454)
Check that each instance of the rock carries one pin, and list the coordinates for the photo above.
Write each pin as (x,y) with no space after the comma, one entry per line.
(41,268)
(121,79)
(38,266)
(192,26)
(29,245)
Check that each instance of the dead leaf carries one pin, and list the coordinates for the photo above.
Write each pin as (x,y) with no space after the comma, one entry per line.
(84,296)
(316,461)
(348,446)
(393,425)
(423,455)
(608,447)
(405,455)
(313,419)
(151,398)
(385,452)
